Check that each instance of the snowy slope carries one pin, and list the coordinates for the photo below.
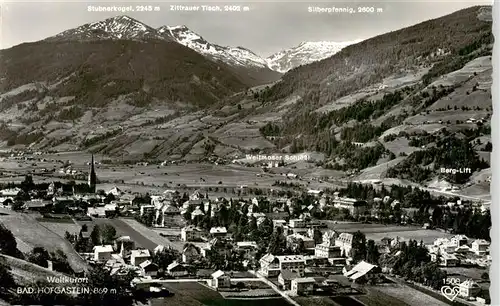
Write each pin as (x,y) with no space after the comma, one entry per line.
(120,27)
(236,56)
(125,27)
(305,53)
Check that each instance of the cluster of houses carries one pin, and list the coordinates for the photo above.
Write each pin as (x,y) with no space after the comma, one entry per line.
(299,273)
(460,250)
(123,256)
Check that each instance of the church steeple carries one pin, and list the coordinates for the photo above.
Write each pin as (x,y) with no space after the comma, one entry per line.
(92,176)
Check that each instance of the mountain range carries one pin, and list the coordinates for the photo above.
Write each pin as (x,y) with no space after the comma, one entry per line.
(400,105)
(125,27)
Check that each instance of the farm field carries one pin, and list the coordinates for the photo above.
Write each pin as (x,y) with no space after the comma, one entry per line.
(465,273)
(140,178)
(31,233)
(24,271)
(191,175)
(378,298)
(191,294)
(150,234)
(379,231)
(408,295)
(60,228)
(255,293)
(144,238)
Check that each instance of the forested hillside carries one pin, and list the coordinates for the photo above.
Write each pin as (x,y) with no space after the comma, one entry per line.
(368,62)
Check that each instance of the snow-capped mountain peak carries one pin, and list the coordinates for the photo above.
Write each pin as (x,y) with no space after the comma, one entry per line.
(305,53)
(127,28)
(119,27)
(238,56)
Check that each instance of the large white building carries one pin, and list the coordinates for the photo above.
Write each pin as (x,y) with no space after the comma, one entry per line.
(480,247)
(303,286)
(139,256)
(355,207)
(220,280)
(294,263)
(328,249)
(293,241)
(102,253)
(297,223)
(269,265)
(344,241)
(190,233)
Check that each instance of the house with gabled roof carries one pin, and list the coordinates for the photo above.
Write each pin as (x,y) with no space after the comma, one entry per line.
(191,233)
(303,286)
(362,271)
(148,268)
(220,280)
(190,253)
(176,269)
(139,256)
(269,265)
(285,278)
(220,231)
(102,253)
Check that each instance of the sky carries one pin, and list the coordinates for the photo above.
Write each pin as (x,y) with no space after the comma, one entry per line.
(266,28)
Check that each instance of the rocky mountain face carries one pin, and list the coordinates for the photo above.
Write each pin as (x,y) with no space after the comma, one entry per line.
(305,53)
(254,68)
(120,27)
(237,56)
(400,105)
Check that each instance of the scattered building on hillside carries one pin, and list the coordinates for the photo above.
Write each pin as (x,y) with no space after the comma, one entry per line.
(355,207)
(459,240)
(448,260)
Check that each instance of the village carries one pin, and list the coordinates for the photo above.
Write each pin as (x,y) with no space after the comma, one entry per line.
(254,247)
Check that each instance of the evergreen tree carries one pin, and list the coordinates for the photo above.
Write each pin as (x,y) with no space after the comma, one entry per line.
(95,235)
(372,253)
(8,243)
(358,251)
